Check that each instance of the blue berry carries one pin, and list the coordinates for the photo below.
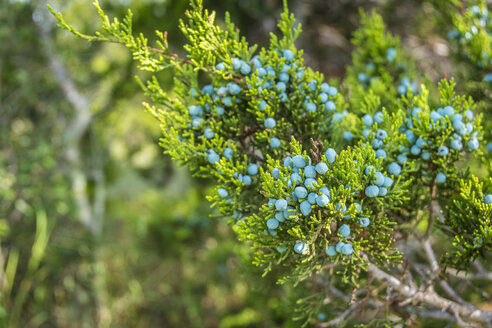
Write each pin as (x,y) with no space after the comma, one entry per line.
(441,177)
(219,110)
(269,123)
(330,105)
(325,190)
(299,161)
(321,168)
(281,86)
(322,200)
(309,171)
(364,222)
(213,158)
(253,169)
(279,216)
(394,168)
(209,133)
(488,199)
(416,111)
(367,119)
(472,144)
(358,207)
(372,191)
(311,107)
(370,169)
(236,64)
(263,105)
(245,68)
(331,251)
(426,156)
(390,54)
(222,192)
(381,134)
(247,180)
(281,249)
(289,213)
(362,77)
(347,135)
(274,142)
(288,55)
(380,153)
(312,198)
(331,155)
(421,143)
(388,182)
(378,179)
(306,208)
(276,173)
(344,230)
(296,178)
(309,182)
(301,192)
(280,204)
(332,91)
(443,151)
(300,247)
(376,143)
(233,89)
(339,246)
(378,117)
(347,249)
(456,144)
(415,150)
(382,191)
(272,224)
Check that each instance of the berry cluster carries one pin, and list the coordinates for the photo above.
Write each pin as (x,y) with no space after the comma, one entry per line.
(446,134)
(469,36)
(380,183)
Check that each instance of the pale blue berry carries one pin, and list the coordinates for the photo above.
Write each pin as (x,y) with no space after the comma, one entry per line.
(288,55)
(426,155)
(263,105)
(382,191)
(347,135)
(247,180)
(272,224)
(311,107)
(301,192)
(339,246)
(233,89)
(372,191)
(300,247)
(376,143)
(415,150)
(331,251)
(364,222)
(213,158)
(380,153)
(321,168)
(488,199)
(274,142)
(370,169)
(347,249)
(299,161)
(367,119)
(253,169)
(306,208)
(443,151)
(309,182)
(312,198)
(331,155)
(279,216)
(402,159)
(394,168)
(441,177)
(309,171)
(222,192)
(276,173)
(322,200)
(344,230)
(456,144)
(281,249)
(378,179)
(330,105)
(378,117)
(388,182)
(472,144)
(296,178)
(269,123)
(280,204)
(381,134)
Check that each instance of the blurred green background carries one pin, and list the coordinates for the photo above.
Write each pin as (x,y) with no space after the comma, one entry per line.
(97,227)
